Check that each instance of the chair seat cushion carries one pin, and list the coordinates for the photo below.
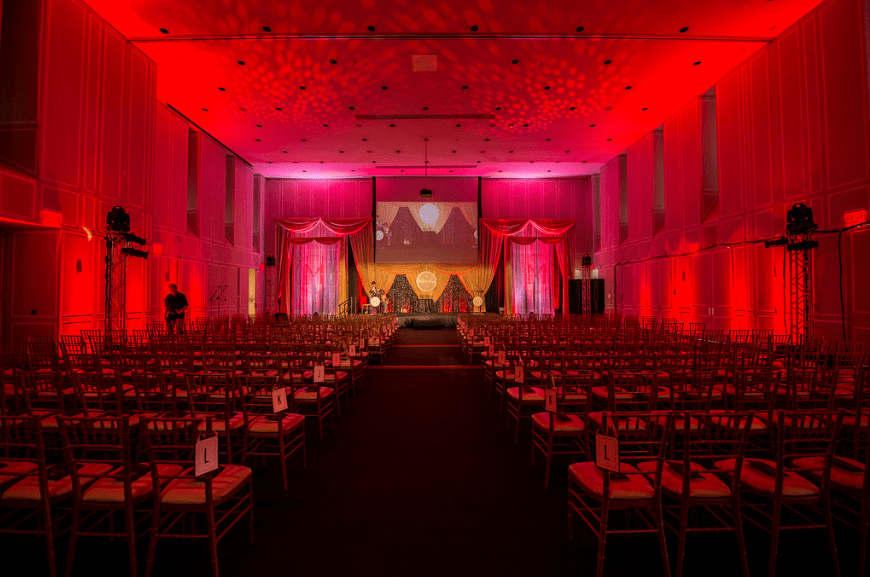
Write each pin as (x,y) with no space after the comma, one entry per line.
(562,424)
(305,395)
(701,485)
(191,491)
(851,420)
(530,394)
(725,420)
(11,470)
(571,394)
(631,487)
(759,481)
(846,474)
(328,378)
(27,489)
(108,490)
(219,423)
(679,422)
(630,423)
(619,394)
(268,424)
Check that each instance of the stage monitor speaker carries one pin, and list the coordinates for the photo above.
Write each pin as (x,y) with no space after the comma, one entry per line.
(596,296)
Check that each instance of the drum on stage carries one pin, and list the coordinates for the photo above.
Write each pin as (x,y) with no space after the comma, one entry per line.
(375,301)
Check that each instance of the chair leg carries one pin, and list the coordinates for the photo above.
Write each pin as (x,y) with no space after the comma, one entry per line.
(73,539)
(663,544)
(212,543)
(152,542)
(283,460)
(251,510)
(681,538)
(774,539)
(602,540)
(832,542)
(130,524)
(862,533)
(549,462)
(49,540)
(741,540)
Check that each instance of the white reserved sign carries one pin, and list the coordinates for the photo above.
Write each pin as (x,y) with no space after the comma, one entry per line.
(336,359)
(319,374)
(519,374)
(279,399)
(550,398)
(206,456)
(607,453)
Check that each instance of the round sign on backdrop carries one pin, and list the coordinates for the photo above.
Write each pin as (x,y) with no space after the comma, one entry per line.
(429,213)
(477,301)
(379,235)
(426,281)
(375,301)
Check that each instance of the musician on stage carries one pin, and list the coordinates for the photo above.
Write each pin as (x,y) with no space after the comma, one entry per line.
(375,292)
(176,304)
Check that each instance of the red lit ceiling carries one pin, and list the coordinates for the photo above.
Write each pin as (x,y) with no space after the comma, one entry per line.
(292,108)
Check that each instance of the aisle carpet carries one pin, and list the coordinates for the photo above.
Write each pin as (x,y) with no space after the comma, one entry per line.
(419,476)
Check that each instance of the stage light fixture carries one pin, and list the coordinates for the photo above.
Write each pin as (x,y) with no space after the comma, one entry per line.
(118,220)
(799,219)
(778,241)
(587,261)
(425,193)
(130,237)
(270,260)
(129,251)
(803,245)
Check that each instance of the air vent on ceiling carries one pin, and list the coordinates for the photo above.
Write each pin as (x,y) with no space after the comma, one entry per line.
(424,62)
(425,116)
(420,167)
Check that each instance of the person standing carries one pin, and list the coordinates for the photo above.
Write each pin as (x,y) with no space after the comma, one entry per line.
(176,304)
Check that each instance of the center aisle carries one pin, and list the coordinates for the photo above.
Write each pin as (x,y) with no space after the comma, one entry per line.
(418,478)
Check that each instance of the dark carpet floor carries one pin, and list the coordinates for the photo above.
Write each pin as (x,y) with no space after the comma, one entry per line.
(419,476)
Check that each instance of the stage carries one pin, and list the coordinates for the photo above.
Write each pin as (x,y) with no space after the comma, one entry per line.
(426,320)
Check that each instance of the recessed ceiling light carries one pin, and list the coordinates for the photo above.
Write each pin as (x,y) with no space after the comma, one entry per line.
(458,125)
(164,30)
(222,89)
(383,87)
(365,139)
(454,152)
(546,87)
(510,151)
(341,152)
(609,139)
(333,61)
(259,126)
(567,151)
(304,171)
(591,126)
(392,126)
(515,61)
(525,125)
(572,108)
(644,108)
(241,62)
(608,108)
(425,108)
(498,107)
(531,162)
(371,28)
(257,139)
(684,29)
(325,126)
(205,109)
(278,108)
(465,87)
(549,139)
(580,29)
(628,87)
(243,109)
(351,108)
(499,171)
(486,140)
(284,151)
(304,140)
(608,61)
(398,151)
(475,28)
(696,63)
(301,88)
(266,29)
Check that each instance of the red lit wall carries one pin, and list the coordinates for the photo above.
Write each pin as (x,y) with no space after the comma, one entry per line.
(102,139)
(200,261)
(792,126)
(542,198)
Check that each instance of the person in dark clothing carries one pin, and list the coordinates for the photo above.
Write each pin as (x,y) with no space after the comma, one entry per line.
(176,304)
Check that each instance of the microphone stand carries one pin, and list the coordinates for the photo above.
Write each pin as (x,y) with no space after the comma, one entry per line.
(211,299)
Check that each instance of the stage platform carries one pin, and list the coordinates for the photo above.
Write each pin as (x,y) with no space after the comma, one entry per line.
(427,320)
